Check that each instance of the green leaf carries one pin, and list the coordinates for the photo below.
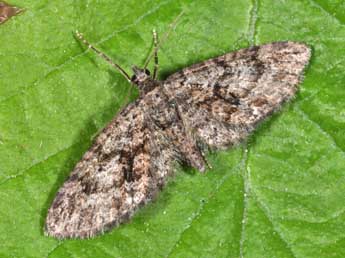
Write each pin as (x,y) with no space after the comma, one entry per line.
(281,194)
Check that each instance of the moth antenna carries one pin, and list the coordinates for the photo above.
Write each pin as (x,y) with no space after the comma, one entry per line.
(165,36)
(155,42)
(102,55)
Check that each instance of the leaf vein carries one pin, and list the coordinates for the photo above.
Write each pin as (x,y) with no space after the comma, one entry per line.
(305,116)
(246,192)
(23,172)
(201,207)
(315,4)
(53,249)
(265,209)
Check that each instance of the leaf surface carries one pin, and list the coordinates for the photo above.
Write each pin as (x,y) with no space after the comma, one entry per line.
(281,194)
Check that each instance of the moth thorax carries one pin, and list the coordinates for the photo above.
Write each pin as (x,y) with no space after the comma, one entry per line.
(143,80)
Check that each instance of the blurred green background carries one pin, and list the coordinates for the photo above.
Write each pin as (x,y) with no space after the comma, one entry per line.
(281,194)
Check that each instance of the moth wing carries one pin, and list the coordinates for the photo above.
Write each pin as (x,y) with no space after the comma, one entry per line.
(113,179)
(224,98)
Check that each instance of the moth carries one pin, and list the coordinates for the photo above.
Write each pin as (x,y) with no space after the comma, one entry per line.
(7,11)
(210,105)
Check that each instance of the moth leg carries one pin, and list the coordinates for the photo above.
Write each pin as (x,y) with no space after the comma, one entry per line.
(155,43)
(104,56)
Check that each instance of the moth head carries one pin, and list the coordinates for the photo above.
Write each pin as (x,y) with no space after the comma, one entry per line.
(140,75)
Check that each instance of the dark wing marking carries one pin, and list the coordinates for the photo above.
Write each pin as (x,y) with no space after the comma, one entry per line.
(224,98)
(128,163)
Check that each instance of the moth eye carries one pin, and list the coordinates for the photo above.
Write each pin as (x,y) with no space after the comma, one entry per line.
(147,72)
(134,77)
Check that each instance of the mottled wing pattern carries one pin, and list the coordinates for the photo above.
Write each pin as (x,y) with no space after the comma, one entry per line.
(217,103)
(224,98)
(123,170)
